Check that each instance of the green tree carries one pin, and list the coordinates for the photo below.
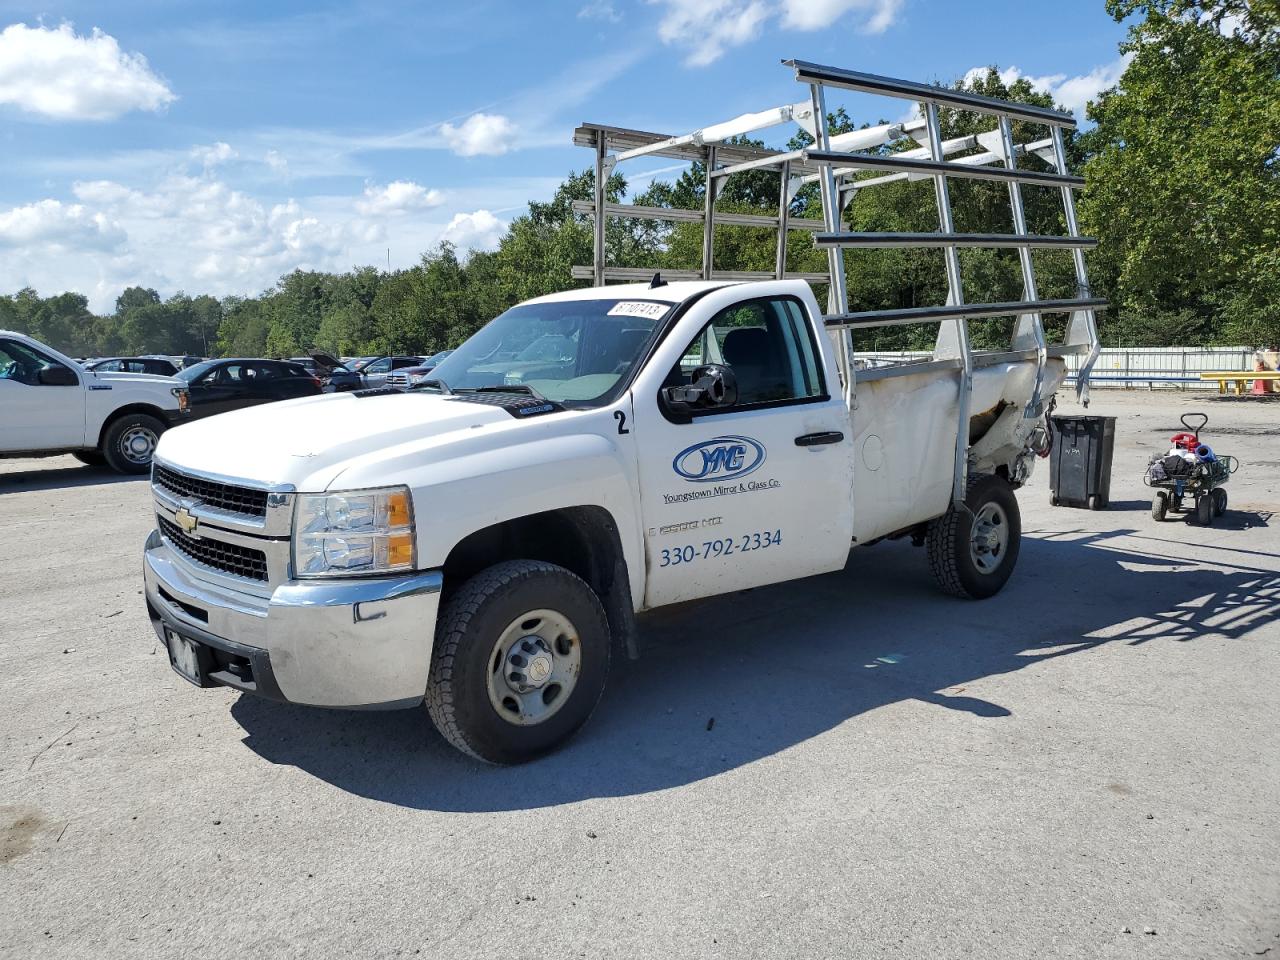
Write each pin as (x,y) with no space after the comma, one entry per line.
(1184,183)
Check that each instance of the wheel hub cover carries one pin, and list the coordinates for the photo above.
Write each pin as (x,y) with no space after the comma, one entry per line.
(539,669)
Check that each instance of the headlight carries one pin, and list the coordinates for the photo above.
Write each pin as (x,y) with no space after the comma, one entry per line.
(353,532)
(184,398)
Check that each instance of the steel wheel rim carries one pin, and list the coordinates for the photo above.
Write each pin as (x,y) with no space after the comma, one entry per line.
(138,444)
(534,667)
(989,538)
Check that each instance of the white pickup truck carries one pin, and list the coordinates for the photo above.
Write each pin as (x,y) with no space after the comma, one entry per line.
(483,542)
(49,404)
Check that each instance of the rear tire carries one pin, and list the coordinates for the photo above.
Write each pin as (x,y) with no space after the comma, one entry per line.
(508,638)
(1159,506)
(130,442)
(91,458)
(1204,510)
(972,553)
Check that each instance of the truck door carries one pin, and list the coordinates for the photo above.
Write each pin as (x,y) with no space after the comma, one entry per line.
(754,492)
(37,413)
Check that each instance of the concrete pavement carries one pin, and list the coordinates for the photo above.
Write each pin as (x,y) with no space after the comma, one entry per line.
(890,772)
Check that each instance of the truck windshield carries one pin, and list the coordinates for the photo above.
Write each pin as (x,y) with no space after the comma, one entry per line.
(572,351)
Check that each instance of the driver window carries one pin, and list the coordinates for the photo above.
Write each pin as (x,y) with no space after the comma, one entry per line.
(768,346)
(380,366)
(21,363)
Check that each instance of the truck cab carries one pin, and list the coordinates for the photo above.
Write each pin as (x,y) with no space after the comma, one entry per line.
(49,405)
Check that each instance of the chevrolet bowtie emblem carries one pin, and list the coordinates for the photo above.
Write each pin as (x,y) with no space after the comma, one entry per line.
(186,521)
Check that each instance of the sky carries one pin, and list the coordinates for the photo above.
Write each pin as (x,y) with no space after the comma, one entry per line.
(213,147)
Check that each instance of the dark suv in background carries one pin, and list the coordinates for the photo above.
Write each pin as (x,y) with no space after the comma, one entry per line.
(334,375)
(217,386)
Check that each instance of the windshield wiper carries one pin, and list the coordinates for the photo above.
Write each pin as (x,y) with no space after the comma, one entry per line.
(505,388)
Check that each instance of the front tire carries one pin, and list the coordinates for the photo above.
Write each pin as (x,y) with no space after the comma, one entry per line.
(521,657)
(972,553)
(130,442)
(1159,505)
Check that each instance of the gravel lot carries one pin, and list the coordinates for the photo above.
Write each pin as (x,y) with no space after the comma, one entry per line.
(1086,766)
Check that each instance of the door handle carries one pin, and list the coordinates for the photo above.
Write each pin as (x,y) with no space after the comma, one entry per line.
(818,439)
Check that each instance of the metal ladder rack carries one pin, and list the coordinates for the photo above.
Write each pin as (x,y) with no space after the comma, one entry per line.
(838,162)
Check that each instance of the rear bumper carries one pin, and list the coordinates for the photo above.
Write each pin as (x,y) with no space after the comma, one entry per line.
(349,643)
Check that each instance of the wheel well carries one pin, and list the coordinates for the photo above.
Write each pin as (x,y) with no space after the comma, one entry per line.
(583,540)
(145,408)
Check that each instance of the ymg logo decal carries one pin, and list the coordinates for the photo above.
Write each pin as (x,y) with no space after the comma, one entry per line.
(720,458)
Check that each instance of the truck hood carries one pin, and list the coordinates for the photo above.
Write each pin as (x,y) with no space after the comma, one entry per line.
(308,443)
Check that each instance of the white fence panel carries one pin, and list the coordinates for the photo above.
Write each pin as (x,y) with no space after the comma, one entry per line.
(1126,367)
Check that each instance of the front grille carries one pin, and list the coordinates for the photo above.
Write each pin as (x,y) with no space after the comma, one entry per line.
(227,557)
(224,496)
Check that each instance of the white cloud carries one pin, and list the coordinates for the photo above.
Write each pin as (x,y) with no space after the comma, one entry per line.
(878,15)
(58,73)
(480,133)
(399,196)
(51,224)
(600,10)
(184,227)
(710,27)
(480,230)
(1074,93)
(277,162)
(214,154)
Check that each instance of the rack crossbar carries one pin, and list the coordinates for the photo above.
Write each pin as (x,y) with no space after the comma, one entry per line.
(950,168)
(675,214)
(639,274)
(989,240)
(969,311)
(807,72)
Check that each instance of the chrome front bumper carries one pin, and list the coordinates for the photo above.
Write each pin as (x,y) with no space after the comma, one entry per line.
(349,643)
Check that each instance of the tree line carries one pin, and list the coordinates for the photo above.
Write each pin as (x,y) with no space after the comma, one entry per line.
(1183,195)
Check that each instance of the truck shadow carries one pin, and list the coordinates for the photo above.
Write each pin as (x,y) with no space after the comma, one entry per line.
(61,478)
(728,681)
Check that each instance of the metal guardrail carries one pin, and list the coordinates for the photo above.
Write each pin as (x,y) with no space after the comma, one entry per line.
(1126,367)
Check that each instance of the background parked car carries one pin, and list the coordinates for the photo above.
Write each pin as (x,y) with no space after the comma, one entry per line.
(221,385)
(334,375)
(156,365)
(410,377)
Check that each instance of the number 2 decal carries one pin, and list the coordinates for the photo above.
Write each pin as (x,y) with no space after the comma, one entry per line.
(622,421)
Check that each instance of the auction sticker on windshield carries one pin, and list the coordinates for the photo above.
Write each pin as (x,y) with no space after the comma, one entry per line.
(638,308)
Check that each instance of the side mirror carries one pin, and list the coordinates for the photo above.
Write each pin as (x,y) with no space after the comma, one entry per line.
(714,385)
(58,377)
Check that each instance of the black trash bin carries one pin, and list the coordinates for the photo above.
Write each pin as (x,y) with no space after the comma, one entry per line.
(1080,464)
